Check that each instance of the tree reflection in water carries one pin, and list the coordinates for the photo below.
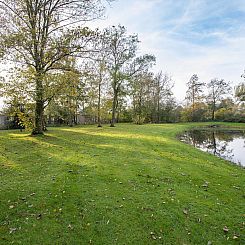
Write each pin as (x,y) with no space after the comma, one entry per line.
(218,142)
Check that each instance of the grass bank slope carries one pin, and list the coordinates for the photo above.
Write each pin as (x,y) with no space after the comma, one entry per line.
(125,185)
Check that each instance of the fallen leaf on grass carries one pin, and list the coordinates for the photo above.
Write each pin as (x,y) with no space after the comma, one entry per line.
(39,216)
(225,229)
(11,230)
(153,236)
(70,226)
(205,185)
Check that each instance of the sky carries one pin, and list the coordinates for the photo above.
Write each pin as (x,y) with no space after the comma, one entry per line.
(203,37)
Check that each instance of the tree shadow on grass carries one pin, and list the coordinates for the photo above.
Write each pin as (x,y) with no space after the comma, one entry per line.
(120,178)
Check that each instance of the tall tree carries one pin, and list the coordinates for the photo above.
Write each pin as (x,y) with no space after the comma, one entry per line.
(97,71)
(161,90)
(42,33)
(217,89)
(97,78)
(140,93)
(121,51)
(101,71)
(193,93)
(121,62)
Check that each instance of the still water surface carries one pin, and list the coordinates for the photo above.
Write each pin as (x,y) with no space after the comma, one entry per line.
(229,145)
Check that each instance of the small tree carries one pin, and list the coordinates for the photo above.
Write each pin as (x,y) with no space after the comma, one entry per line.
(240,92)
(193,93)
(217,89)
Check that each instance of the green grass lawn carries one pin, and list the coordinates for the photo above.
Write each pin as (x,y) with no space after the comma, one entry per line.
(124,185)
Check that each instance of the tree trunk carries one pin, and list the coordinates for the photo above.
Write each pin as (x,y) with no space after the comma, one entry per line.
(158,102)
(70,111)
(38,124)
(158,110)
(213,115)
(140,108)
(70,122)
(114,105)
(193,104)
(75,115)
(213,111)
(39,110)
(119,107)
(99,99)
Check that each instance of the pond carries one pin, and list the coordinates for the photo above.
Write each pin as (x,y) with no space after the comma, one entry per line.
(226,144)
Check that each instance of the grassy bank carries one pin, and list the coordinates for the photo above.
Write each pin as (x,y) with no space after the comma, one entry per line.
(125,185)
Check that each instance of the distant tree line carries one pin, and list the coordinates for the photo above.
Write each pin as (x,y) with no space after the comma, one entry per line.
(61,69)
(213,101)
